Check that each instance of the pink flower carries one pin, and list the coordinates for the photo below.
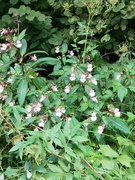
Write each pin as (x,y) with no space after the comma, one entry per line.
(72,76)
(37,107)
(93,116)
(86,124)
(94,99)
(100,129)
(54,88)
(10,80)
(68,119)
(83,78)
(4,31)
(4,97)
(33,57)
(1,88)
(92,93)
(89,67)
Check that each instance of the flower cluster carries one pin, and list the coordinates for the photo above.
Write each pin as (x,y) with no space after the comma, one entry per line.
(60,111)
(9,42)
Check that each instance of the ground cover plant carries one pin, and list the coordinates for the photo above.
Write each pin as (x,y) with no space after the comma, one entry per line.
(74,121)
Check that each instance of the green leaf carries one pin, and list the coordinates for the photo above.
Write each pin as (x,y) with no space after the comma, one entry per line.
(106,150)
(36,52)
(13,2)
(125,160)
(22,34)
(45,61)
(23,47)
(80,139)
(105,38)
(118,124)
(10,172)
(64,48)
(84,106)
(122,92)
(22,90)
(54,168)
(132,88)
(69,176)
(107,163)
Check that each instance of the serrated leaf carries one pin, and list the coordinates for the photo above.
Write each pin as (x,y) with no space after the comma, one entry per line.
(125,160)
(106,150)
(118,124)
(22,90)
(122,92)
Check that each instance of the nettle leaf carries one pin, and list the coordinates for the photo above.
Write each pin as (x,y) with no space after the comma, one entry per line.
(106,150)
(125,160)
(122,92)
(13,2)
(22,90)
(118,124)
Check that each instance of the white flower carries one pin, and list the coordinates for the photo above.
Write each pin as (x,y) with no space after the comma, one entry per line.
(100,129)
(63,110)
(83,78)
(37,107)
(1,88)
(93,116)
(41,124)
(117,113)
(89,67)
(118,76)
(42,98)
(94,81)
(68,119)
(92,93)
(29,115)
(58,112)
(72,76)
(28,174)
(57,49)
(3,47)
(67,89)
(29,108)
(10,80)
(18,44)
(11,103)
(71,53)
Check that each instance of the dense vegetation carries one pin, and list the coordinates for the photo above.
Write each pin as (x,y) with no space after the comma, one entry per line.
(67,71)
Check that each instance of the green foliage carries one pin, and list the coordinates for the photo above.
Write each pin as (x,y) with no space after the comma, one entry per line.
(76,122)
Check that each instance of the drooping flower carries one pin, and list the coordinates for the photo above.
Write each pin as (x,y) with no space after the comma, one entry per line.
(83,78)
(94,99)
(10,80)
(42,98)
(57,49)
(18,44)
(67,89)
(89,67)
(1,88)
(33,57)
(72,76)
(117,113)
(41,123)
(93,81)
(37,107)
(4,31)
(58,112)
(3,47)
(100,129)
(54,88)
(93,116)
(92,93)
(71,53)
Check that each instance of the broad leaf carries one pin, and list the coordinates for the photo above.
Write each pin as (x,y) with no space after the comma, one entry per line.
(106,150)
